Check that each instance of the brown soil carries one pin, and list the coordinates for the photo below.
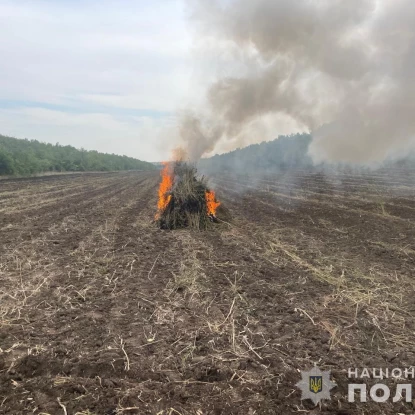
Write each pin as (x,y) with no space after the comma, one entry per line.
(101,312)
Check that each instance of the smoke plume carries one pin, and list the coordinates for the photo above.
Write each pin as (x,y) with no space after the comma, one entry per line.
(342,70)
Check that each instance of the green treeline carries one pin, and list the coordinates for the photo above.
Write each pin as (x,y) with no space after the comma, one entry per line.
(280,154)
(288,152)
(26,157)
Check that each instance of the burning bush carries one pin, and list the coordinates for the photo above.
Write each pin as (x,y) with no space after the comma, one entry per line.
(184,200)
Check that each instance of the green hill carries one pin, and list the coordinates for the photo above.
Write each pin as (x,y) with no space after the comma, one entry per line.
(26,157)
(287,152)
(282,153)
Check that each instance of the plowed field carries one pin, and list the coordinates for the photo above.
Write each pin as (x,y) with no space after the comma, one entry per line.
(102,313)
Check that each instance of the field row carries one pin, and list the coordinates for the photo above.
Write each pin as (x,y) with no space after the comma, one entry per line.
(101,311)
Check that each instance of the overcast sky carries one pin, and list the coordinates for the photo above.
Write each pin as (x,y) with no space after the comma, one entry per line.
(105,75)
(126,76)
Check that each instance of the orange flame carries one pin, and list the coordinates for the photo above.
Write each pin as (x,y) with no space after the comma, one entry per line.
(164,188)
(211,202)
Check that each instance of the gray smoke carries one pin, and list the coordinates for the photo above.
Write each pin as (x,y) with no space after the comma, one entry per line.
(343,70)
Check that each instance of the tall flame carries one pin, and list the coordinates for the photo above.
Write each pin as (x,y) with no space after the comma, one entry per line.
(211,202)
(164,188)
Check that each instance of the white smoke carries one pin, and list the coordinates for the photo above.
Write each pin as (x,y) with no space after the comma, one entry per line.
(343,70)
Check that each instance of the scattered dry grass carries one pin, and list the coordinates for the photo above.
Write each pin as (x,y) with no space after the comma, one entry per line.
(216,315)
(376,294)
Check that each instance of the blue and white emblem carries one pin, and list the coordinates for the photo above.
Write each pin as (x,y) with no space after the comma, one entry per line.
(315,385)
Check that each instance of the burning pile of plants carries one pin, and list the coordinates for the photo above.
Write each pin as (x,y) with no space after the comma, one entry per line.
(184,200)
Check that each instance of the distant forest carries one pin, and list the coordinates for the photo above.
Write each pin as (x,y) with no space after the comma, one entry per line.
(284,153)
(280,154)
(26,157)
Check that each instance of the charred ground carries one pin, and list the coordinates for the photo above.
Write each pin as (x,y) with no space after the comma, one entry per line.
(101,312)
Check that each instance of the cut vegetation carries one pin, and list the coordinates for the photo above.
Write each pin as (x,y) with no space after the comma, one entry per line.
(184,199)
